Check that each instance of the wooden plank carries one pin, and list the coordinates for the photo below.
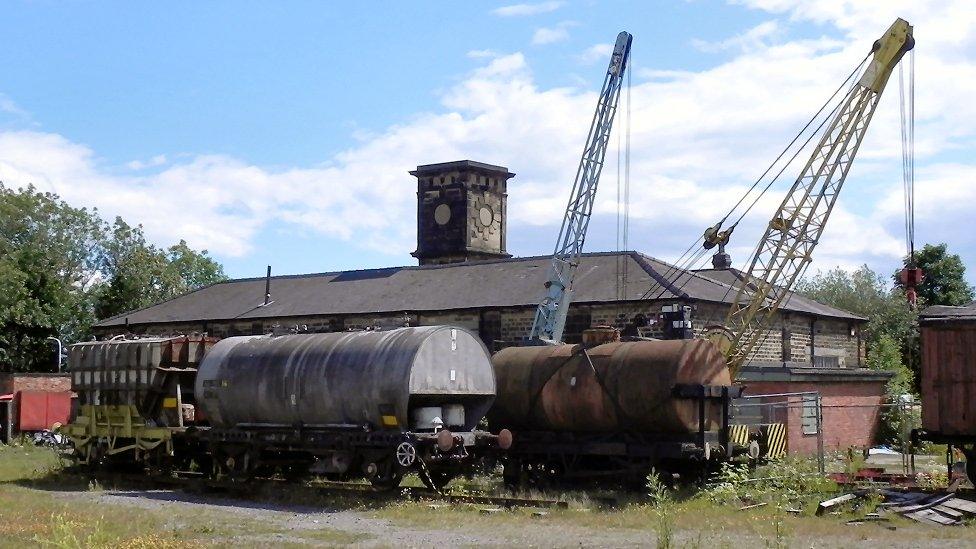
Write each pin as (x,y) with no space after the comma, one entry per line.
(919,517)
(949,512)
(931,516)
(961,505)
(833,502)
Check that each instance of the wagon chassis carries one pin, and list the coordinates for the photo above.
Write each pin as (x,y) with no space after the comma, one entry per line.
(964,443)
(382,456)
(540,456)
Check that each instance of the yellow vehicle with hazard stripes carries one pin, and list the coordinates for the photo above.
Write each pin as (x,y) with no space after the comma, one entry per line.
(135,397)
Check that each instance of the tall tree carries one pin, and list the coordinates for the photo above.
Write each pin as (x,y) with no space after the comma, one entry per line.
(865,293)
(136,271)
(50,257)
(140,274)
(62,267)
(194,269)
(945,276)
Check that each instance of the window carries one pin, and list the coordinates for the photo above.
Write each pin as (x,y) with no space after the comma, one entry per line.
(826,362)
(809,414)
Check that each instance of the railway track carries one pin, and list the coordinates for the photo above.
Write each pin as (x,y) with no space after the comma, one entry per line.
(189,482)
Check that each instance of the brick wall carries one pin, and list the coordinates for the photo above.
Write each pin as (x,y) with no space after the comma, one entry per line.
(851,410)
(12,383)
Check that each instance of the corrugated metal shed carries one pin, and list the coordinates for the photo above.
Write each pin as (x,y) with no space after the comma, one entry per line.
(480,284)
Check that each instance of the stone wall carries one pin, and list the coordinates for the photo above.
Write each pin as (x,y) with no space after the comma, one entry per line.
(832,339)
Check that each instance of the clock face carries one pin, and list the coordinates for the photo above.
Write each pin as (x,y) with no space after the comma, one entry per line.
(442,214)
(486,216)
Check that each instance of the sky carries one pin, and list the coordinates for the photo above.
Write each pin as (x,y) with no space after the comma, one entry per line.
(282,133)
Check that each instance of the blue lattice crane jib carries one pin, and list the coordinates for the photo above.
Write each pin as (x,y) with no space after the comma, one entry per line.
(550,317)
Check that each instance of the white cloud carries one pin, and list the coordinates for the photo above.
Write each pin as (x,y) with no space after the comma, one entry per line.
(517,10)
(9,106)
(551,35)
(481,54)
(595,53)
(699,139)
(157,160)
(754,38)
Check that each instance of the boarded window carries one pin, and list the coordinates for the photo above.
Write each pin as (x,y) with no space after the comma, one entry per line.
(810,415)
(826,362)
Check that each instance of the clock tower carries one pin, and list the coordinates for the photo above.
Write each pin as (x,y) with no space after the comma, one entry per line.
(460,212)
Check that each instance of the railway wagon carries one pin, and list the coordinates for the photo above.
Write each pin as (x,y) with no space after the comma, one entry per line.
(135,398)
(370,404)
(948,380)
(614,410)
(373,404)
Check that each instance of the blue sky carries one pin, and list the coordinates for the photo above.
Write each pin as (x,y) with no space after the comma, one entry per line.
(281,133)
(288,83)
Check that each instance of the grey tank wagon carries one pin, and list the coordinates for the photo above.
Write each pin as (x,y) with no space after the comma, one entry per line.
(371,404)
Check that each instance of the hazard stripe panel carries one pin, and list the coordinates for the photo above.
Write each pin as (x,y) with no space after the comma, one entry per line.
(775,440)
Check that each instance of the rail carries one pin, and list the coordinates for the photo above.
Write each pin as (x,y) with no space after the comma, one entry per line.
(194,482)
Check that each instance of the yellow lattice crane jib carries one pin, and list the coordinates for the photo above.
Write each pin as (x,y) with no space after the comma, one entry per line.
(786,248)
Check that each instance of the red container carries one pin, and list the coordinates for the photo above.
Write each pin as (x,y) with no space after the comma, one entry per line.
(949,376)
(39,410)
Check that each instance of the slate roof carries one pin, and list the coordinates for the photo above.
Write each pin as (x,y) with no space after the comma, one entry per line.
(936,313)
(793,301)
(478,284)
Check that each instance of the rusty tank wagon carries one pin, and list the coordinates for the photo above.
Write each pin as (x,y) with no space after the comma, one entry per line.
(614,409)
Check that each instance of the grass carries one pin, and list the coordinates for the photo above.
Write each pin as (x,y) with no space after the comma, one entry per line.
(685,518)
(37,509)
(35,512)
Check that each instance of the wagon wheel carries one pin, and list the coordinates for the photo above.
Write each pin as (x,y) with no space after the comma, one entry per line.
(238,465)
(435,480)
(384,475)
(970,454)
(387,481)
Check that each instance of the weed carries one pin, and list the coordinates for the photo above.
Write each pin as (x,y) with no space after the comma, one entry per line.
(66,533)
(788,481)
(933,480)
(663,503)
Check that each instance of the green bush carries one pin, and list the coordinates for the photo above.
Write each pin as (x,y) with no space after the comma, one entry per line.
(789,480)
(897,419)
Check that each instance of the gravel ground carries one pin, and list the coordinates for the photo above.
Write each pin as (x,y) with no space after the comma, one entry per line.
(293,523)
(282,523)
